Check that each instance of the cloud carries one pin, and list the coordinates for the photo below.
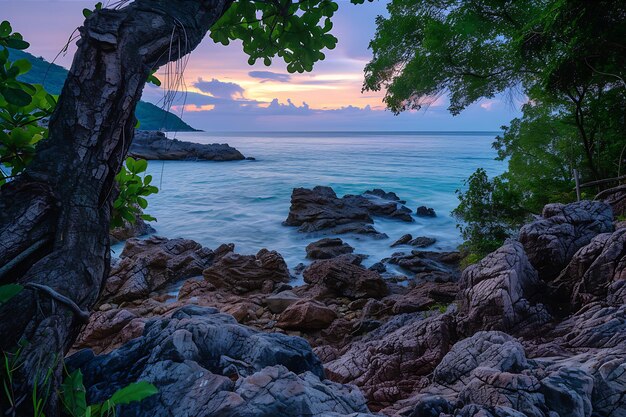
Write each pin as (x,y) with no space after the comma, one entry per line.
(219,89)
(270,76)
(488,104)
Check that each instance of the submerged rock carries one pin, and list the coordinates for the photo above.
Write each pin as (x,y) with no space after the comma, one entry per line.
(319,209)
(204,363)
(155,145)
(327,248)
(423,211)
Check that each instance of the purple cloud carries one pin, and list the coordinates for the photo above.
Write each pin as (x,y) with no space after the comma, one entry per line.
(219,89)
(270,76)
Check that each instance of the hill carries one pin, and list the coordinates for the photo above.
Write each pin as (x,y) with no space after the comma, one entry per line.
(150,116)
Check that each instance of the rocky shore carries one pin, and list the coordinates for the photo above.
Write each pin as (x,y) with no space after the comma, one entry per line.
(537,328)
(153,145)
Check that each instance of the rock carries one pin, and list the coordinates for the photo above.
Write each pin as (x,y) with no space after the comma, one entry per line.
(423,241)
(391,362)
(277,303)
(319,209)
(403,240)
(245,273)
(594,271)
(378,267)
(149,265)
(306,315)
(204,363)
(128,230)
(498,292)
(616,198)
(551,241)
(421,262)
(423,211)
(109,329)
(153,145)
(327,248)
(341,277)
(377,192)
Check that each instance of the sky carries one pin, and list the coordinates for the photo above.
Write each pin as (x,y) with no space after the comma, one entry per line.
(224,93)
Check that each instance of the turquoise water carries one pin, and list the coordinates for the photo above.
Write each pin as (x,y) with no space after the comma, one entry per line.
(245,202)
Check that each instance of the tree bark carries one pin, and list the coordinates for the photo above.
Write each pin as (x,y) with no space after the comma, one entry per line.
(54,219)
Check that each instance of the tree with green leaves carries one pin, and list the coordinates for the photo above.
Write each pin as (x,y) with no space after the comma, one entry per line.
(565,58)
(55,215)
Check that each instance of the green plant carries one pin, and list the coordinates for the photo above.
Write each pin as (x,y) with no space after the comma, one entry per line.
(8,291)
(133,189)
(73,397)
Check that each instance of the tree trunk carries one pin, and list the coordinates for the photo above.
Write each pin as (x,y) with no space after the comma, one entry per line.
(54,219)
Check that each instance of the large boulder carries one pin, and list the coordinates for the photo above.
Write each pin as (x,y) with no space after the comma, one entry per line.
(151,264)
(244,273)
(596,271)
(340,276)
(204,363)
(327,248)
(391,362)
(552,240)
(319,209)
(498,292)
(155,145)
(306,315)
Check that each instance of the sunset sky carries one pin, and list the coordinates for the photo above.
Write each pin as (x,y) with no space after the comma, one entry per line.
(224,93)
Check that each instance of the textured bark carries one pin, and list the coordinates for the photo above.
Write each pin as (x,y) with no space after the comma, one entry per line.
(54,219)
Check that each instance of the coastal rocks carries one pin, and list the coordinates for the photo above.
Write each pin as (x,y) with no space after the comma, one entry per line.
(327,248)
(432,266)
(391,362)
(319,209)
(423,211)
(108,329)
(306,315)
(340,276)
(204,363)
(420,241)
(496,293)
(128,230)
(152,145)
(277,303)
(551,241)
(245,273)
(151,264)
(595,271)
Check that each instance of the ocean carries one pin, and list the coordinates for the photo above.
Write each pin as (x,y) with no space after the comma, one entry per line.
(245,202)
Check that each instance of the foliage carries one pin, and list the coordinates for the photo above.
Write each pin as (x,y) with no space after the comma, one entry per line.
(295,31)
(133,189)
(564,57)
(22,108)
(9,291)
(73,397)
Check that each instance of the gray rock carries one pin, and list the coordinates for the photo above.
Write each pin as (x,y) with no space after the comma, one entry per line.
(404,239)
(129,230)
(423,241)
(204,363)
(319,209)
(423,211)
(498,292)
(277,303)
(327,248)
(551,241)
(153,145)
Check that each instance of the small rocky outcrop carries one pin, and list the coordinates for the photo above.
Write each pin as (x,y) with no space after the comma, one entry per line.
(152,145)
(427,265)
(151,264)
(245,273)
(423,211)
(597,271)
(341,277)
(306,315)
(404,239)
(204,363)
(551,241)
(327,248)
(128,230)
(498,293)
(391,362)
(420,241)
(319,209)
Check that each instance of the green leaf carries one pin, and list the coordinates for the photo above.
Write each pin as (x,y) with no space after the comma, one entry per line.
(134,392)
(9,291)
(73,394)
(16,43)
(15,96)
(87,13)
(5,29)
(23,65)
